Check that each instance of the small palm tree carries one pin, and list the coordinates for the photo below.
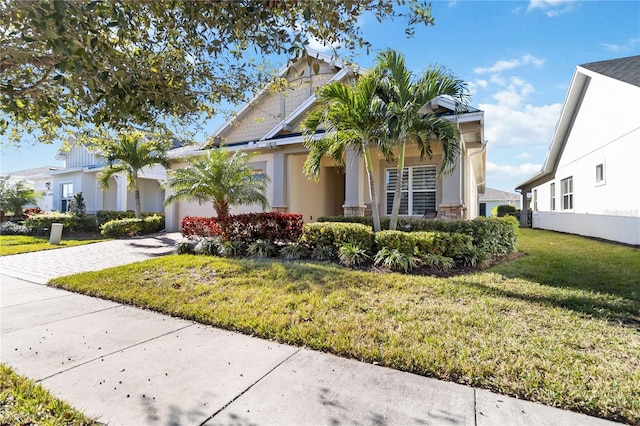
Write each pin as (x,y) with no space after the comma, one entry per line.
(352,117)
(221,178)
(406,98)
(129,154)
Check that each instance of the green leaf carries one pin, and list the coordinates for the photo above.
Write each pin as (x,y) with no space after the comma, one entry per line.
(21,103)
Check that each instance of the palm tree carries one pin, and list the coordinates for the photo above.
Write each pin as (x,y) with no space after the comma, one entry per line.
(406,98)
(221,178)
(129,154)
(352,117)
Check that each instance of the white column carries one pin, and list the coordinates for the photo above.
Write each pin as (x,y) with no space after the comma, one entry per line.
(451,205)
(99,196)
(353,194)
(121,192)
(171,213)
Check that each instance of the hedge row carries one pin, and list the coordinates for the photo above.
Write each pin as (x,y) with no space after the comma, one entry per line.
(246,228)
(337,234)
(104,216)
(495,236)
(131,226)
(71,223)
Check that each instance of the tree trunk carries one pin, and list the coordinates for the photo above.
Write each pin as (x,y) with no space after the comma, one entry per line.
(397,195)
(375,212)
(221,208)
(136,194)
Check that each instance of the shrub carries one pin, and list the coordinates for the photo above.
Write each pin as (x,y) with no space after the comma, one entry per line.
(505,209)
(10,228)
(396,240)
(323,252)
(352,254)
(471,256)
(261,249)
(185,247)
(251,227)
(395,259)
(207,246)
(131,227)
(294,251)
(77,205)
(338,234)
(104,216)
(364,220)
(437,262)
(27,213)
(440,243)
(232,248)
(194,227)
(41,223)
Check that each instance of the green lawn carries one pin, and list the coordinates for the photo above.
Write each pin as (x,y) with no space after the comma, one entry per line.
(15,244)
(559,326)
(23,402)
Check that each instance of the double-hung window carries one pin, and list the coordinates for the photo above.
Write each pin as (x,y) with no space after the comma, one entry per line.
(418,190)
(566,189)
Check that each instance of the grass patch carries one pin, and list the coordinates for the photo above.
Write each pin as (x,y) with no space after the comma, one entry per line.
(16,244)
(539,328)
(24,402)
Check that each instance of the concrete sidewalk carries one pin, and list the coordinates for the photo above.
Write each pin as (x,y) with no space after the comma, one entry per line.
(130,366)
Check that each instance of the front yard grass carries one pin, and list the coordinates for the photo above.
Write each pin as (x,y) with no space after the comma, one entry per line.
(15,244)
(23,402)
(560,326)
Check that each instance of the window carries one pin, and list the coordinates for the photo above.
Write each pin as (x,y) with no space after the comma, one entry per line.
(553,196)
(600,174)
(418,190)
(566,188)
(535,200)
(66,190)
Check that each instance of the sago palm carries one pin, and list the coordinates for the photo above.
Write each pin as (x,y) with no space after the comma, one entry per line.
(221,178)
(353,117)
(406,98)
(129,153)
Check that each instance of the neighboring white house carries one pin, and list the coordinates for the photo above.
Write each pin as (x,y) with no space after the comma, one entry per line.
(493,198)
(40,180)
(80,174)
(590,182)
(269,126)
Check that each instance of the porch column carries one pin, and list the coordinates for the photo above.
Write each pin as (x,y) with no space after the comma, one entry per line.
(99,197)
(452,206)
(524,211)
(121,192)
(280,201)
(353,196)
(171,215)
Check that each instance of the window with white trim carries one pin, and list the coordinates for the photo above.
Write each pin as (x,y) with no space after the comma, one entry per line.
(66,191)
(566,191)
(600,174)
(418,190)
(552,189)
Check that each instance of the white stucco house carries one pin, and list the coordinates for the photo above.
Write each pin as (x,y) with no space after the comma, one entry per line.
(40,180)
(590,181)
(80,174)
(493,198)
(269,126)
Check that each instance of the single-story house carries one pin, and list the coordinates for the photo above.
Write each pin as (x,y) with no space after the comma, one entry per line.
(589,182)
(80,174)
(40,180)
(493,198)
(269,126)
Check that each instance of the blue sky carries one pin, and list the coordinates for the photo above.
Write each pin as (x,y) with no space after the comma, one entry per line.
(517,57)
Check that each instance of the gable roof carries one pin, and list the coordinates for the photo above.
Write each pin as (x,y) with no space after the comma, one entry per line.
(492,194)
(31,173)
(623,69)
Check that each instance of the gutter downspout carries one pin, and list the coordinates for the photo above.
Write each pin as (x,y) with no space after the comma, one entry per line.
(482,151)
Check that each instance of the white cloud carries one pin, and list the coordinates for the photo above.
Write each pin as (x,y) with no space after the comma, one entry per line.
(318,45)
(503,65)
(552,8)
(519,170)
(620,48)
(524,155)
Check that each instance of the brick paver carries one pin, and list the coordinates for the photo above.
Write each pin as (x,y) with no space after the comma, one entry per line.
(42,266)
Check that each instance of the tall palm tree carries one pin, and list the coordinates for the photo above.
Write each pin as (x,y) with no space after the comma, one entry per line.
(129,153)
(221,178)
(406,98)
(353,117)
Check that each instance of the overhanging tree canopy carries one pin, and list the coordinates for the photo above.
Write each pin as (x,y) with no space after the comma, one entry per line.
(68,64)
